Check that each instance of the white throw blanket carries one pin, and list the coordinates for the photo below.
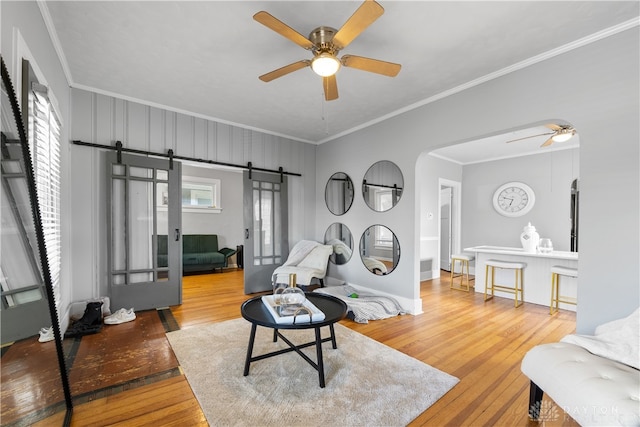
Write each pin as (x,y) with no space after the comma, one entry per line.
(618,340)
(366,306)
(300,251)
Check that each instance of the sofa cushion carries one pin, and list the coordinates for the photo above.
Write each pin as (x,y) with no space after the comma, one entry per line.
(199,243)
(593,390)
(204,258)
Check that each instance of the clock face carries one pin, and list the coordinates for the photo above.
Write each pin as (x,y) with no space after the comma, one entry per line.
(513,199)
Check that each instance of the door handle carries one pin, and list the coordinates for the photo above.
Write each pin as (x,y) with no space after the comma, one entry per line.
(246,233)
(177,234)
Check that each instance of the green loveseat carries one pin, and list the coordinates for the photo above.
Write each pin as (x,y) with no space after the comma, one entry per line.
(199,253)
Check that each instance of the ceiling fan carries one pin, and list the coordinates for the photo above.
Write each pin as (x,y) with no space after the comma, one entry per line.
(558,134)
(325,43)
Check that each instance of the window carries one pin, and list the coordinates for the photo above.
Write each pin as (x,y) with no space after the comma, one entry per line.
(198,195)
(384,238)
(383,199)
(44,141)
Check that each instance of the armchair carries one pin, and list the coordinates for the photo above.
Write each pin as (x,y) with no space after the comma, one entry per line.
(308,260)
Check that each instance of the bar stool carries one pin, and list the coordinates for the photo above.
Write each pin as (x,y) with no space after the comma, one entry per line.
(464,263)
(556,298)
(517,267)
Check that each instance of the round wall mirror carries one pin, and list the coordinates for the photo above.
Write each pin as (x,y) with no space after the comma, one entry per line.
(339,236)
(379,250)
(338,194)
(382,186)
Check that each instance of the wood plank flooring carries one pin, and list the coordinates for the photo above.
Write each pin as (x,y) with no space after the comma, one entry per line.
(480,343)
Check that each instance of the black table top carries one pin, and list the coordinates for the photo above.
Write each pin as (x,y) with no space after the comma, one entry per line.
(334,309)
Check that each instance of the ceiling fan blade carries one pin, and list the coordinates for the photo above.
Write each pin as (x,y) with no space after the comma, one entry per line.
(532,136)
(283,29)
(372,65)
(553,127)
(364,16)
(285,70)
(547,142)
(330,88)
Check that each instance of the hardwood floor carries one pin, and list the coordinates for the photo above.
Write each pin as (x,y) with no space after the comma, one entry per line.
(480,343)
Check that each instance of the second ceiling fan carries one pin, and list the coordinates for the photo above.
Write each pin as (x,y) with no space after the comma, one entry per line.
(558,134)
(325,43)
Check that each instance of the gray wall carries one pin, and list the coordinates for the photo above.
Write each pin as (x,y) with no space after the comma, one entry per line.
(429,171)
(595,88)
(549,175)
(228,224)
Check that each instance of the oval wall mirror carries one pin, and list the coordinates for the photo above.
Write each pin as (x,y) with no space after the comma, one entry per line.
(339,236)
(382,186)
(338,194)
(379,250)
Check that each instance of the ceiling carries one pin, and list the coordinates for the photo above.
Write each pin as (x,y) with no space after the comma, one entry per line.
(503,146)
(204,57)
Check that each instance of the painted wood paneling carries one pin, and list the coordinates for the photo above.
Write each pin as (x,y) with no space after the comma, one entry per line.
(103,119)
(137,126)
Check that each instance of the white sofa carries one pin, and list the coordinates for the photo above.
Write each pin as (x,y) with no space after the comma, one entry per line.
(593,379)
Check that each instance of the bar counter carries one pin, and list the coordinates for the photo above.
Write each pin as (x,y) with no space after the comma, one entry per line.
(537,273)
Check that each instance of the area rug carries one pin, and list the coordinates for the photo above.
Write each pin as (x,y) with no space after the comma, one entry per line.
(367,383)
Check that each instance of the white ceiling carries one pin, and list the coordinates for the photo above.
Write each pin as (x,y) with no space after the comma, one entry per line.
(204,57)
(502,146)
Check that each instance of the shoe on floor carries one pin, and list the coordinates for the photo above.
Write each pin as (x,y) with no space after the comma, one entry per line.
(121,316)
(46,334)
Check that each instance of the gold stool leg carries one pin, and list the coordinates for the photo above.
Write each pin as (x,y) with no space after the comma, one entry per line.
(553,288)
(461,285)
(486,281)
(453,267)
(465,263)
(518,277)
(555,293)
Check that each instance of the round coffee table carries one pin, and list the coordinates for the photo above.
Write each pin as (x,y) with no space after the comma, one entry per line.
(255,312)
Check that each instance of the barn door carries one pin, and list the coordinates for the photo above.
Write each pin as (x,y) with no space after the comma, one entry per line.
(144,222)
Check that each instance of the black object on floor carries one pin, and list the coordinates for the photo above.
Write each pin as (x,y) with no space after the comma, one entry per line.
(89,323)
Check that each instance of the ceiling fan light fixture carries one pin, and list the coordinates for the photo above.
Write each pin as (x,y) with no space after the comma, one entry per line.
(563,135)
(325,64)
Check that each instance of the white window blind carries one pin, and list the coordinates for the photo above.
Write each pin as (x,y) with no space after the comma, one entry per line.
(44,139)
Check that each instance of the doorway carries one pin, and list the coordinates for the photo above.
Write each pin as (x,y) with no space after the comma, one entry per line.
(449,221)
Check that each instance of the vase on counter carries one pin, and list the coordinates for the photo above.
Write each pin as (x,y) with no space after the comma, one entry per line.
(545,246)
(529,239)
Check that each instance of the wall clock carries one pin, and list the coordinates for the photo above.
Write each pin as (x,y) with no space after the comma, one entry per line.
(513,199)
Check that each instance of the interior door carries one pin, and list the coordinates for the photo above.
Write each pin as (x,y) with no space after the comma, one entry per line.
(144,196)
(266,228)
(445,228)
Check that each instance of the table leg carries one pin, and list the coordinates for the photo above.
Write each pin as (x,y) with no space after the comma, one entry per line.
(275,335)
(252,338)
(333,336)
(319,356)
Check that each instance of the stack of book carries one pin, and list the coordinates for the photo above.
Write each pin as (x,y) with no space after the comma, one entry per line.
(316,314)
